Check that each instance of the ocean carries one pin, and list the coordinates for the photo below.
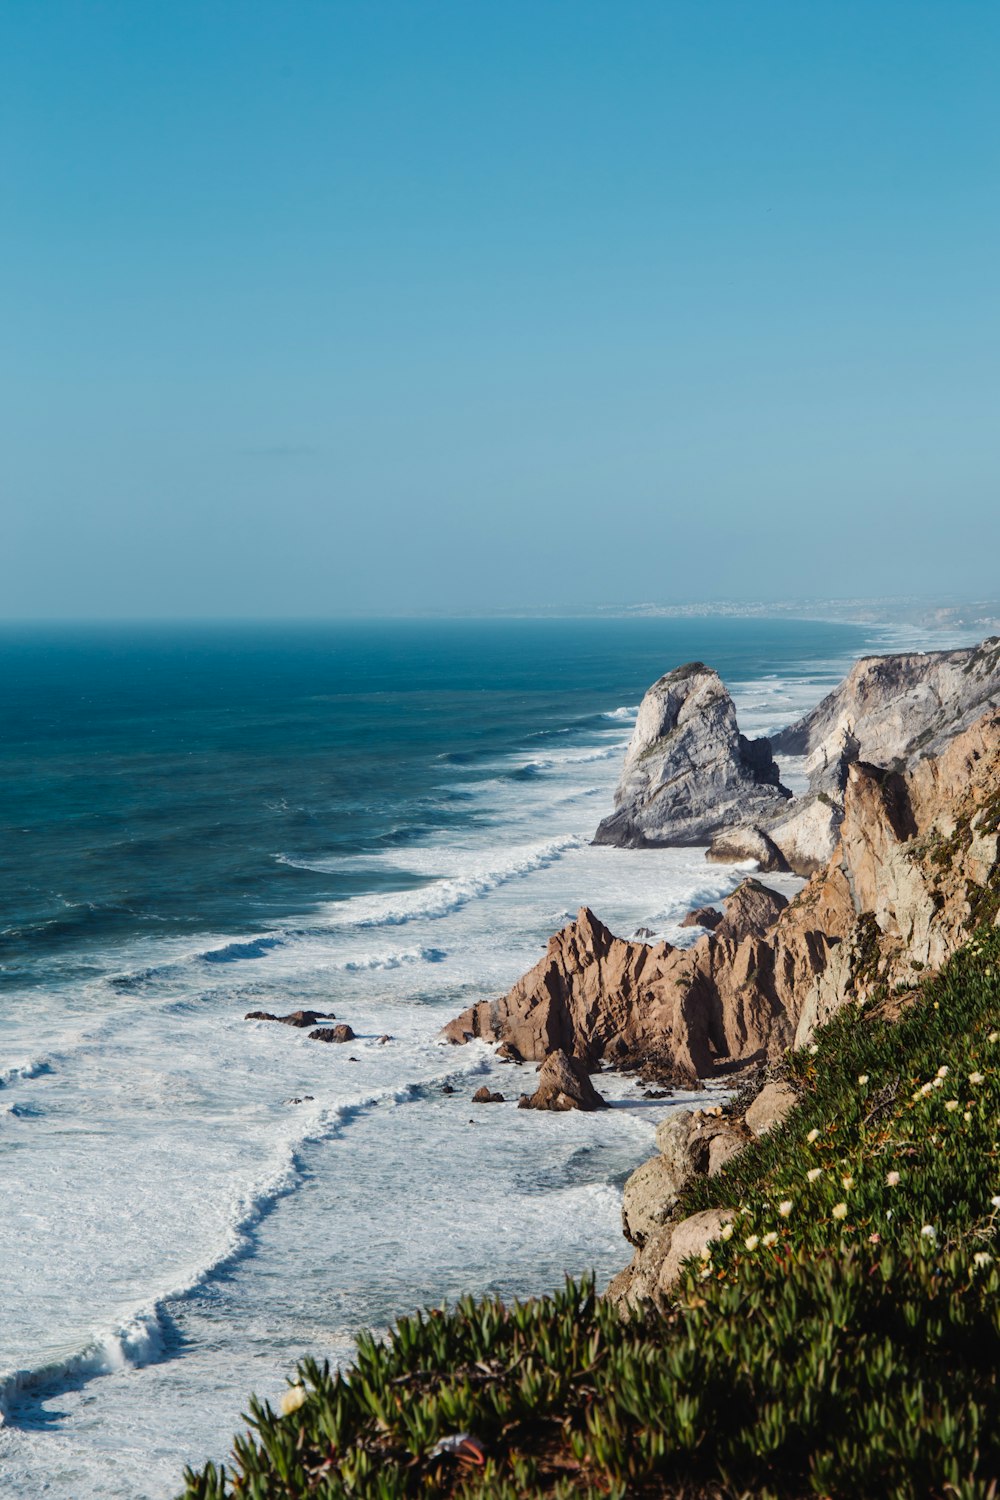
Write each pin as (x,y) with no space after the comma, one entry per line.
(383,820)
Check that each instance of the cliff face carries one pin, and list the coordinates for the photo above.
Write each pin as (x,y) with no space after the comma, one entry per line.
(689,775)
(688,771)
(916,861)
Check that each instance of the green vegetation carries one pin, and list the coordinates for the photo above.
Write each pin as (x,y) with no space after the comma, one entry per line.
(843,1340)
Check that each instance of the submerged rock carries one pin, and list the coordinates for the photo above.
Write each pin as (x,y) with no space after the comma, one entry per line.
(485,1096)
(703,916)
(340,1033)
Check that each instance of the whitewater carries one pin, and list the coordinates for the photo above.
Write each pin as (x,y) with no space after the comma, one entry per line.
(193,1201)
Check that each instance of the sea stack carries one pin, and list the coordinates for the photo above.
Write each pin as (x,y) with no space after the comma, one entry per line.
(688,771)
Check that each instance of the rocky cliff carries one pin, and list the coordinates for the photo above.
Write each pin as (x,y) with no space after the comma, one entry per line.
(688,771)
(689,775)
(916,861)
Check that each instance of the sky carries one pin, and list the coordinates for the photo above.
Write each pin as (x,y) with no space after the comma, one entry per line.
(319,307)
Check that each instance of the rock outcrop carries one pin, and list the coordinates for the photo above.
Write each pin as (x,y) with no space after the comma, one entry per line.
(688,771)
(689,776)
(339,1033)
(563,1083)
(916,864)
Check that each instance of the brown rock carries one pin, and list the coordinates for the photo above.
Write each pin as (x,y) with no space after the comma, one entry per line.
(563,1083)
(770,1107)
(722,1148)
(484,1096)
(341,1033)
(649,1197)
(751,911)
(703,916)
(295,1018)
(507,1052)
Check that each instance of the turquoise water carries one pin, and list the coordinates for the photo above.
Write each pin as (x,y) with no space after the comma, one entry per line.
(382,819)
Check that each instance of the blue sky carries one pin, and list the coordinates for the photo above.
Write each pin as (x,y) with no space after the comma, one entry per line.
(360,306)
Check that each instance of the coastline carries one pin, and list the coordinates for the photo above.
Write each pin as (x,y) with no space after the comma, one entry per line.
(620,886)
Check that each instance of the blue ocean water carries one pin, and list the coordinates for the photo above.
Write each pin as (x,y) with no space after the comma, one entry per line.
(385,819)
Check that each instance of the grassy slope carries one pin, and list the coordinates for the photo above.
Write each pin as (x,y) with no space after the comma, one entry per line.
(855,1354)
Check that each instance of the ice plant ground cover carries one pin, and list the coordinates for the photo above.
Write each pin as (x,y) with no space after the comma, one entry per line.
(847,1345)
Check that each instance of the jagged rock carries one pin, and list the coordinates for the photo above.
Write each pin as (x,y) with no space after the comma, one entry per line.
(507,1052)
(703,916)
(770,1107)
(650,1196)
(734,846)
(894,900)
(688,771)
(341,1033)
(750,911)
(643,934)
(563,1083)
(485,1096)
(447,1088)
(383,1039)
(806,835)
(259,1015)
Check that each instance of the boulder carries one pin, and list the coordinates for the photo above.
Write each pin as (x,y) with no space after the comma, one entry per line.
(770,1107)
(341,1033)
(733,846)
(649,1197)
(750,911)
(564,1083)
(688,772)
(507,1052)
(688,1238)
(485,1096)
(702,916)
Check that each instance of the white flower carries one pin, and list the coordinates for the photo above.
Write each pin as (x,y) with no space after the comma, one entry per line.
(977,1078)
(995,1200)
(942,1072)
(862,1077)
(925,1089)
(848,1181)
(840,1210)
(892,1179)
(994,1036)
(813,1173)
(938,1082)
(726,1233)
(706,1253)
(951,1104)
(293,1398)
(813,1135)
(751,1241)
(967,1116)
(813,1049)
(981,1258)
(770,1239)
(785,1208)
(929,1232)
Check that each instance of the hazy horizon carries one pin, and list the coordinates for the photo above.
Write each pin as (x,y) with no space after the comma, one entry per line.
(337,311)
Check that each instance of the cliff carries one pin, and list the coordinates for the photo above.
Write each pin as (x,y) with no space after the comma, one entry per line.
(689,776)
(916,856)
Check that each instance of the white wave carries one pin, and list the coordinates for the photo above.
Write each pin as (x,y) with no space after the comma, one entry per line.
(626,711)
(442,897)
(30,1069)
(138,1339)
(368,961)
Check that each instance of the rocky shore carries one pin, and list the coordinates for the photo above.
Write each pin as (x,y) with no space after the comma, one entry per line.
(903,805)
